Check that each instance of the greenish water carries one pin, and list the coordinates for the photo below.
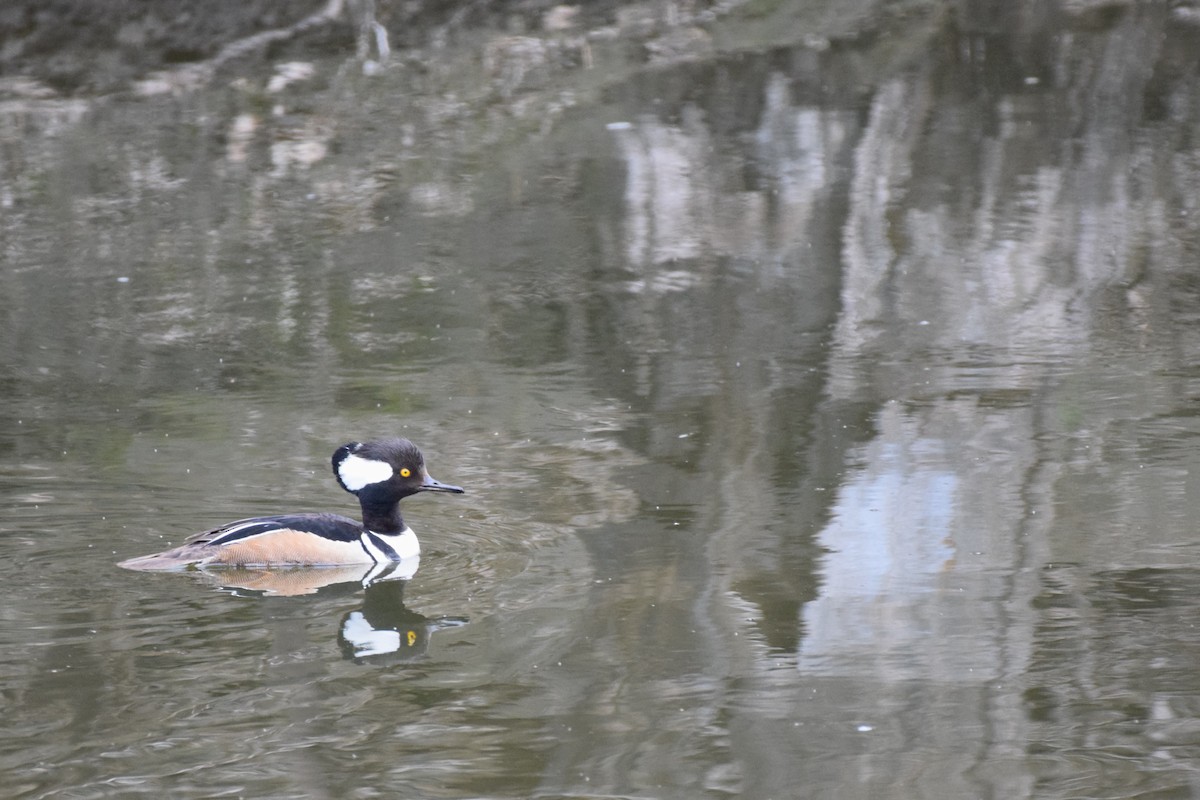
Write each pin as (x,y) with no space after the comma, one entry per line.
(826,411)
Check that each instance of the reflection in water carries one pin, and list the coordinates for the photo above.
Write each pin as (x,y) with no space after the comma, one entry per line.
(381,631)
(384,631)
(893,540)
(290,581)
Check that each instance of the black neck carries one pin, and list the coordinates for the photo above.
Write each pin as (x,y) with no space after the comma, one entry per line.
(382,517)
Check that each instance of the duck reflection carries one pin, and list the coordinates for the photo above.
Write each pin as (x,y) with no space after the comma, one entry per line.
(382,630)
(385,631)
(290,581)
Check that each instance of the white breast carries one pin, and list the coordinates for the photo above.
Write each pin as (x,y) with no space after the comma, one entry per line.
(404,544)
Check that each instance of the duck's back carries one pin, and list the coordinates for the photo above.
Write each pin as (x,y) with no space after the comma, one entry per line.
(314,539)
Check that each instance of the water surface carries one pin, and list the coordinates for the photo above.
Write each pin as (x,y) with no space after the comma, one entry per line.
(823,386)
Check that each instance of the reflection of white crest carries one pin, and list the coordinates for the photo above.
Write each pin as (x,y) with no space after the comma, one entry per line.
(367,639)
(357,472)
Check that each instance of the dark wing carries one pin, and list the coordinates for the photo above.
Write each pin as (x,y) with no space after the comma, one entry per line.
(334,527)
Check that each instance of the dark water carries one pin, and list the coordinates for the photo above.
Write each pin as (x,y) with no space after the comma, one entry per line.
(824,389)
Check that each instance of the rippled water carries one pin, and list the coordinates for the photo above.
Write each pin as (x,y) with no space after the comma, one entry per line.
(825,405)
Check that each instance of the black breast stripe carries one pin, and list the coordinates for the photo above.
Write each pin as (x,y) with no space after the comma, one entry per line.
(383,546)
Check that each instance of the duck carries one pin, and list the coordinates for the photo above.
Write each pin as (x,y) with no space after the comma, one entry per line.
(380,473)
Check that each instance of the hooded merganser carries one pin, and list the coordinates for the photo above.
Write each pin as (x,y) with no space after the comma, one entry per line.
(380,473)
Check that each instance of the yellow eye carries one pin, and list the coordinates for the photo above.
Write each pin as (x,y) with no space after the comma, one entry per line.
(405,472)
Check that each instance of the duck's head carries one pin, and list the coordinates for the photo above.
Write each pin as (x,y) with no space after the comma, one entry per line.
(384,471)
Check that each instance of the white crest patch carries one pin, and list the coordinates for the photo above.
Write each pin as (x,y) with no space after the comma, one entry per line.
(357,472)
